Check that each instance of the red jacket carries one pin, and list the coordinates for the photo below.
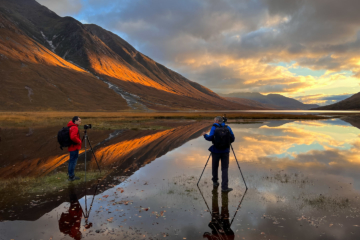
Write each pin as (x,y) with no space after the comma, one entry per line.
(74,136)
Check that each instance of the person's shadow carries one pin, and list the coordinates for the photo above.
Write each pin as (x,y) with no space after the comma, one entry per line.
(220,222)
(70,221)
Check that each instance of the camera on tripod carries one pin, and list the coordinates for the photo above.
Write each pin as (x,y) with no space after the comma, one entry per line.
(88,126)
(224,118)
(86,138)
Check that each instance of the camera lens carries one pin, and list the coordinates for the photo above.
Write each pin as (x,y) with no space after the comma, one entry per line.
(88,126)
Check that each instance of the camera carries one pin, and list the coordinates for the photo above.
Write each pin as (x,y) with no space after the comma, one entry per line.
(224,118)
(88,126)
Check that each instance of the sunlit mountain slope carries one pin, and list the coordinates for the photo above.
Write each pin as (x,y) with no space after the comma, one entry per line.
(97,52)
(34,78)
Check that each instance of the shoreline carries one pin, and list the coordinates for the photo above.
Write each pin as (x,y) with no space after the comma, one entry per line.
(147,120)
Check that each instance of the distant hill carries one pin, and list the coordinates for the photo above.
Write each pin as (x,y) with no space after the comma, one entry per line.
(251,103)
(48,62)
(351,103)
(275,101)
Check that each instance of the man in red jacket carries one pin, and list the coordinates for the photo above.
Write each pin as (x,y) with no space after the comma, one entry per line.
(75,147)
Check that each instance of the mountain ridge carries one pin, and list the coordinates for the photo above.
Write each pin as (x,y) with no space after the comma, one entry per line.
(127,72)
(34,78)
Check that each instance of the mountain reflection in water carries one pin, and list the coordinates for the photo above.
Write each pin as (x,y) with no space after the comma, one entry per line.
(302,176)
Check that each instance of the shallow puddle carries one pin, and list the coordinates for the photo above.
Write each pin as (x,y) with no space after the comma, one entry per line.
(303,179)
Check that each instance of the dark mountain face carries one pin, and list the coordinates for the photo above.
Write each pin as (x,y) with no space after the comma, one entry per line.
(276,101)
(137,78)
(289,103)
(351,103)
(251,103)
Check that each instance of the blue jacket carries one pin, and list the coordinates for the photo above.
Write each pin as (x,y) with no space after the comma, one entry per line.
(211,136)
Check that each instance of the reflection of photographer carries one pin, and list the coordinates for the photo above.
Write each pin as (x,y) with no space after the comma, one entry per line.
(221,136)
(220,224)
(70,221)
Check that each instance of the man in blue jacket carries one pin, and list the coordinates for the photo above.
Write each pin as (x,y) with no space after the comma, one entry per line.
(220,154)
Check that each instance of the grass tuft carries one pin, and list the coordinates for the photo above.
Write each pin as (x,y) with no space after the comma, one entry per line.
(49,183)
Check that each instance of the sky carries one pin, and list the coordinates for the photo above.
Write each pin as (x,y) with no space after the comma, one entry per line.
(305,49)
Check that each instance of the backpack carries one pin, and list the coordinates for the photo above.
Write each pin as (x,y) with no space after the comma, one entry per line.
(64,137)
(222,137)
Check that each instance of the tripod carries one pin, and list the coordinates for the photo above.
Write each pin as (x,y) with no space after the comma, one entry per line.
(87,140)
(237,210)
(236,162)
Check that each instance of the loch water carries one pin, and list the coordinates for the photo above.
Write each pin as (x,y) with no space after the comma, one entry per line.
(302,176)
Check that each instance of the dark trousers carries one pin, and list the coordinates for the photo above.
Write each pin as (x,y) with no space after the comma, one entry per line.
(224,157)
(74,155)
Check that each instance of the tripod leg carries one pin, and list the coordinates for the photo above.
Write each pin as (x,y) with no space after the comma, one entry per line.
(204,169)
(93,154)
(85,154)
(239,167)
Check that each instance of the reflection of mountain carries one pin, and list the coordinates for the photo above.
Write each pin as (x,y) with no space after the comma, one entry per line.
(131,150)
(35,151)
(351,103)
(134,149)
(50,62)
(275,101)
(353,120)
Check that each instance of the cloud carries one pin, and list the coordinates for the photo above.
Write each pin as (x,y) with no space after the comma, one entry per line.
(224,44)
(64,7)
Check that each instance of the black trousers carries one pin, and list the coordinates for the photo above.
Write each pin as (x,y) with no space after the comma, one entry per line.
(224,157)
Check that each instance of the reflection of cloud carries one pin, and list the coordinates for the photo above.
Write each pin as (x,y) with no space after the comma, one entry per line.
(256,144)
(335,160)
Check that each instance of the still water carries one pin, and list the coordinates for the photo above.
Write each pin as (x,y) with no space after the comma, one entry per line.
(303,179)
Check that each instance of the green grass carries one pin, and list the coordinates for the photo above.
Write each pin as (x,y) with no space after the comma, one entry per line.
(50,183)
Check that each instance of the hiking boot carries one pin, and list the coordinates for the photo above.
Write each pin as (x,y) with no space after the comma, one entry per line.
(215,184)
(73,178)
(227,190)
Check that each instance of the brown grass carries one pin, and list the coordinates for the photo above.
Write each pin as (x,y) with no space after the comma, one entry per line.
(116,120)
